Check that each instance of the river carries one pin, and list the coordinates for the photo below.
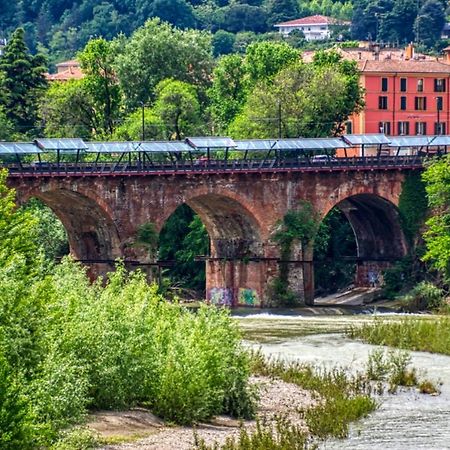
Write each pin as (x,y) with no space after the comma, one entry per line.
(406,420)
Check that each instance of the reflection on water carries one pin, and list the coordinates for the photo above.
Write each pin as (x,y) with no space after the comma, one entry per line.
(407,420)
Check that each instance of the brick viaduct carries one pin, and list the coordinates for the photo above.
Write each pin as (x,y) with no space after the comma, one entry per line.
(240,211)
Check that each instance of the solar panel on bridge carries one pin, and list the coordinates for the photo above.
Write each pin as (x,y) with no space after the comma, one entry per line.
(366,139)
(410,141)
(210,142)
(310,144)
(18,148)
(111,147)
(255,144)
(163,146)
(62,145)
(441,140)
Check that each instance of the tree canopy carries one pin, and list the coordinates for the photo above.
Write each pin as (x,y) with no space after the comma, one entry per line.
(21,83)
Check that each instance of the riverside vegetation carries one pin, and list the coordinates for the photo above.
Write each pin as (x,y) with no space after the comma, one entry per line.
(341,397)
(67,345)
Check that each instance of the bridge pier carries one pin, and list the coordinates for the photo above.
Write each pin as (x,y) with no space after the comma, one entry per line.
(239,282)
(370,273)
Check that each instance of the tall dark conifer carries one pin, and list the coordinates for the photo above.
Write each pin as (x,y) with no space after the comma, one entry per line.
(22,82)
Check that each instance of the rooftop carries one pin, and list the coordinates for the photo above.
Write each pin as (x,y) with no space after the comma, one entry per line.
(310,20)
(405,66)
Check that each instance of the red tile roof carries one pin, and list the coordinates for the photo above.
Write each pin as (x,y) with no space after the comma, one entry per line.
(406,66)
(73,73)
(311,20)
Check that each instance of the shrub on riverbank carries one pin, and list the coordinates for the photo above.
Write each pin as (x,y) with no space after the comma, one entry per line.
(428,335)
(121,345)
(424,296)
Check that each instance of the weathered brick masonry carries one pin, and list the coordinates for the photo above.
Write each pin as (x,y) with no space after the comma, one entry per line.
(240,212)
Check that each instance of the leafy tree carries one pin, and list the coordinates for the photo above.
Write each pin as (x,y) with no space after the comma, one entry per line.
(6,127)
(100,82)
(51,235)
(429,22)
(223,42)
(176,12)
(22,82)
(182,238)
(131,127)
(398,25)
(263,60)
(437,236)
(302,100)
(178,108)
(68,110)
(335,239)
(282,11)
(158,51)
(16,420)
(240,17)
(229,89)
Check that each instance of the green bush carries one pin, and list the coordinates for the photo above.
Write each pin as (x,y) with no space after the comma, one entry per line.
(135,348)
(16,419)
(424,296)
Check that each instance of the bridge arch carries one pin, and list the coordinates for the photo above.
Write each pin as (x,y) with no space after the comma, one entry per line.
(379,237)
(233,269)
(92,234)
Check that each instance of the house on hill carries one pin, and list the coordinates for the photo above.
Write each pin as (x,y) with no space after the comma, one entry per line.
(67,70)
(315,28)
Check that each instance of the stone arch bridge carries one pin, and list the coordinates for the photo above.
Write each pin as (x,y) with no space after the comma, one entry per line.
(240,209)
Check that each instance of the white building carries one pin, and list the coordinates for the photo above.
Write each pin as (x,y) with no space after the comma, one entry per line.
(2,45)
(315,28)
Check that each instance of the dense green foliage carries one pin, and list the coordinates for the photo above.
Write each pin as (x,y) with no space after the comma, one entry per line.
(21,84)
(294,237)
(64,27)
(67,345)
(437,236)
(334,241)
(182,238)
(427,334)
(298,99)
(399,21)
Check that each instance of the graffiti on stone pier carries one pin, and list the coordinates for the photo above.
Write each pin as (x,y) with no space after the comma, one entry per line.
(221,296)
(248,297)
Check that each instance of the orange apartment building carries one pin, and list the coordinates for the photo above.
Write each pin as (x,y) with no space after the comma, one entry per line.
(407,95)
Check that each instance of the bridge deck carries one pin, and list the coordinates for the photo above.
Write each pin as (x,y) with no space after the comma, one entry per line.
(45,169)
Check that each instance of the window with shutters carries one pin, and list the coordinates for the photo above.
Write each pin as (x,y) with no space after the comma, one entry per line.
(385,127)
(420,103)
(382,102)
(420,85)
(439,128)
(439,85)
(439,103)
(421,128)
(403,128)
(403,103)
(384,84)
(402,84)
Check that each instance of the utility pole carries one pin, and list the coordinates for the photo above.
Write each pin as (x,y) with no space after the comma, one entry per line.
(438,107)
(279,119)
(143,120)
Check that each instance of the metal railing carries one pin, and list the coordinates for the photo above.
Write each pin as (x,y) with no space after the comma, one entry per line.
(213,166)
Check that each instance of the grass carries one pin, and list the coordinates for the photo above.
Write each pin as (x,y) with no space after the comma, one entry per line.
(341,397)
(411,334)
(279,436)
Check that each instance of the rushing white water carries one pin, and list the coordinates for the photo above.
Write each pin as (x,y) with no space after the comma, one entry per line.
(406,420)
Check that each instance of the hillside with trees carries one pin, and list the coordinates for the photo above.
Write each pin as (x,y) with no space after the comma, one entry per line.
(61,28)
